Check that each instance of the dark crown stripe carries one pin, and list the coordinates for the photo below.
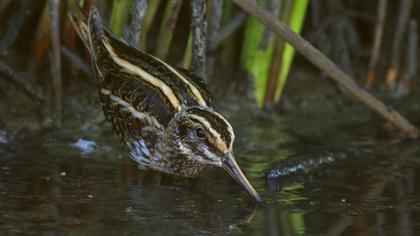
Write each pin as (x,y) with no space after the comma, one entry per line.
(217,123)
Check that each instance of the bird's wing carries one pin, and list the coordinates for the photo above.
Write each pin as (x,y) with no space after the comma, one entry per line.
(140,93)
(128,112)
(132,105)
(199,83)
(175,88)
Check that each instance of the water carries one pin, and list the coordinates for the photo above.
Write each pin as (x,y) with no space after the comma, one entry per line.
(335,172)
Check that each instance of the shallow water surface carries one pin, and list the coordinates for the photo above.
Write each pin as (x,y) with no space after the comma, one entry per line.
(365,187)
(329,173)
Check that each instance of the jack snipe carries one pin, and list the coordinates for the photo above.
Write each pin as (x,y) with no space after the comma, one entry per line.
(163,114)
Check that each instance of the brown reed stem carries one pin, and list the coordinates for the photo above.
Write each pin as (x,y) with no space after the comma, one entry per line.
(394,69)
(32,91)
(411,61)
(138,11)
(56,61)
(377,41)
(199,33)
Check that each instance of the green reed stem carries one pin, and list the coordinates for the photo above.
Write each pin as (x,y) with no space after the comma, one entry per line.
(257,51)
(297,19)
(186,61)
(119,16)
(147,22)
(167,28)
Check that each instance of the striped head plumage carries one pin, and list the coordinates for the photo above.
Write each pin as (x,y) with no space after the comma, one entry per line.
(163,114)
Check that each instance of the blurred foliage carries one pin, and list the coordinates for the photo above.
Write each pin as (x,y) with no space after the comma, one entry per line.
(343,30)
(119,16)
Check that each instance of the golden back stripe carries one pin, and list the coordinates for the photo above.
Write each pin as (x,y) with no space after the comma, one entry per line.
(191,87)
(139,115)
(166,90)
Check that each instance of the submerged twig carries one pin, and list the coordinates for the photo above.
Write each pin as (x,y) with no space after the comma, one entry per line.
(199,33)
(138,10)
(77,61)
(393,71)
(377,41)
(56,61)
(167,28)
(31,90)
(330,68)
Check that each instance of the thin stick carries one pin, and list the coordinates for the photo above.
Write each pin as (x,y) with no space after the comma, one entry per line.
(411,61)
(330,68)
(12,30)
(412,45)
(214,22)
(138,10)
(56,61)
(394,70)
(377,41)
(77,61)
(34,92)
(214,25)
(199,31)
(237,20)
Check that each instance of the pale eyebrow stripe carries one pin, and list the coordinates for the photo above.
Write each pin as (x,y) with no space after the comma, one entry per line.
(221,145)
(166,90)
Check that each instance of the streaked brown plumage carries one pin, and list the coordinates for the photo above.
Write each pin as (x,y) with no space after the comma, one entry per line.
(163,114)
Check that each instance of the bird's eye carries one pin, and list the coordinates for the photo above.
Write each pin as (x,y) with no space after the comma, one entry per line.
(200,133)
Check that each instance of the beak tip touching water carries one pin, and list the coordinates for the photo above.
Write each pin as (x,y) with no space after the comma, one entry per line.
(230,165)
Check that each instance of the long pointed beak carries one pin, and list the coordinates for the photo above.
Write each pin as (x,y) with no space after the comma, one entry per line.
(229,163)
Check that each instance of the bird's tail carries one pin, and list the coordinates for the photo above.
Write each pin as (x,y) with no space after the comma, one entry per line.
(79,20)
(90,29)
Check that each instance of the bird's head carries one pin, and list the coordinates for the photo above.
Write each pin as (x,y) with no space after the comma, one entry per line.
(205,136)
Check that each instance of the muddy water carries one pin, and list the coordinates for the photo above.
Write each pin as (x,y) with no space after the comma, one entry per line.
(321,170)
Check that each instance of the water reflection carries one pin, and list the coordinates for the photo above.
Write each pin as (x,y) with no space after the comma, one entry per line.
(366,187)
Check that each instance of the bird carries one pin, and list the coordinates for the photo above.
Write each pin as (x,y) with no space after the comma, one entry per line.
(164,115)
